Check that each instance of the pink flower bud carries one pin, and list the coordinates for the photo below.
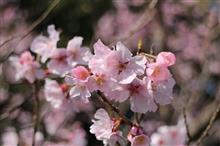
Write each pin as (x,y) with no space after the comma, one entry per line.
(80,72)
(166,58)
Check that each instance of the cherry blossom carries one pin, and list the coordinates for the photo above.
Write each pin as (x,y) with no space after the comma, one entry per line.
(170,135)
(166,58)
(26,67)
(53,93)
(76,53)
(44,46)
(140,99)
(58,63)
(123,66)
(162,92)
(97,61)
(79,79)
(102,126)
(158,71)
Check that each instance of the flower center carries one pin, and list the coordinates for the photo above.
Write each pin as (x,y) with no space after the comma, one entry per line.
(61,58)
(134,89)
(80,72)
(122,66)
(100,79)
(156,71)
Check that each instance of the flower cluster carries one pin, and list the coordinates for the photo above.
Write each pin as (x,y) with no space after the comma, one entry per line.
(143,79)
(121,76)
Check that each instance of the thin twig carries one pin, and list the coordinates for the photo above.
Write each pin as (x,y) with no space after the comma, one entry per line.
(148,55)
(187,127)
(115,109)
(31,28)
(209,126)
(37,114)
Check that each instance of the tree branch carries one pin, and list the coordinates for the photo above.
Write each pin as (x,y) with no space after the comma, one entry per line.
(209,126)
(187,127)
(37,113)
(115,109)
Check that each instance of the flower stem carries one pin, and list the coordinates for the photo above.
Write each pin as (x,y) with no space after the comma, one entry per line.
(115,109)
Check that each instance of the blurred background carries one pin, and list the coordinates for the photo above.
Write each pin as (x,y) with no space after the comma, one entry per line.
(188,28)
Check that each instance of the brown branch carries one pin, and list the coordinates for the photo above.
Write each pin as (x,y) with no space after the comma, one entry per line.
(31,28)
(209,126)
(115,109)
(36,117)
(187,127)
(146,17)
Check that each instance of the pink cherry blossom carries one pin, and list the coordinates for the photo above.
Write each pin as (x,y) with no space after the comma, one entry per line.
(166,58)
(76,53)
(80,73)
(122,66)
(97,61)
(44,46)
(108,86)
(169,135)
(157,72)
(140,99)
(58,63)
(53,93)
(26,67)
(162,92)
(102,126)
(79,80)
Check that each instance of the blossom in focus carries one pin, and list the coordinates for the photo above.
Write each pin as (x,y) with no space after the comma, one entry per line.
(102,126)
(97,61)
(170,135)
(140,99)
(158,71)
(162,92)
(53,93)
(166,58)
(44,46)
(79,80)
(122,66)
(76,53)
(26,67)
